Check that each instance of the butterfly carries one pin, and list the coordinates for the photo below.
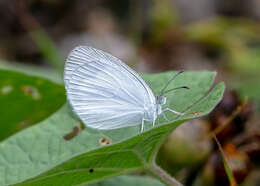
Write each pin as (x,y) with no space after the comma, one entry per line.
(107,94)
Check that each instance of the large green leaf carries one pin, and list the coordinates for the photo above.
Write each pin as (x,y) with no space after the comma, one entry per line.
(26,100)
(39,155)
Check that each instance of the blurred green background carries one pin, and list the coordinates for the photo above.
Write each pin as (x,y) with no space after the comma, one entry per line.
(150,36)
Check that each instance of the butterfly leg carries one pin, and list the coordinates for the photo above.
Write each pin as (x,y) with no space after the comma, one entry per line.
(153,122)
(142,126)
(173,111)
(165,116)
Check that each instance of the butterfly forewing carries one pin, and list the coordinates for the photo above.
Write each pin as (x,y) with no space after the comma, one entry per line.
(104,92)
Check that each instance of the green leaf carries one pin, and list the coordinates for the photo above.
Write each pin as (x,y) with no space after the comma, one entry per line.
(26,100)
(39,155)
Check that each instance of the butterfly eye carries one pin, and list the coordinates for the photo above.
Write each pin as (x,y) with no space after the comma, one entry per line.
(161,100)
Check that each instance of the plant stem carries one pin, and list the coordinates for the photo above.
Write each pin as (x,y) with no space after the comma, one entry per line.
(163,175)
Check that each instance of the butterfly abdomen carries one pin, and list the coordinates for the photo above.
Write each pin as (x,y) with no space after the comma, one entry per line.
(149,112)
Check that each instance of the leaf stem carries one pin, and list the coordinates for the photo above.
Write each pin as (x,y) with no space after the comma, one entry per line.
(163,175)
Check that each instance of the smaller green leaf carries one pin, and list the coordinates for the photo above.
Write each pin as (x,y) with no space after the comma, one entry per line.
(26,100)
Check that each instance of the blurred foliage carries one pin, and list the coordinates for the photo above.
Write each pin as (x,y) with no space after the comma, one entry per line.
(163,18)
(194,149)
(48,49)
(236,39)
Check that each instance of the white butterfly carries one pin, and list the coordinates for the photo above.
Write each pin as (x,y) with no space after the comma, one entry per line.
(107,94)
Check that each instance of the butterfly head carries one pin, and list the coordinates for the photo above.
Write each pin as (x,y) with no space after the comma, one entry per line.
(160,99)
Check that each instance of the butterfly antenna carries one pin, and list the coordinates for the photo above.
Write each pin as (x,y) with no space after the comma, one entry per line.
(167,84)
(183,87)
